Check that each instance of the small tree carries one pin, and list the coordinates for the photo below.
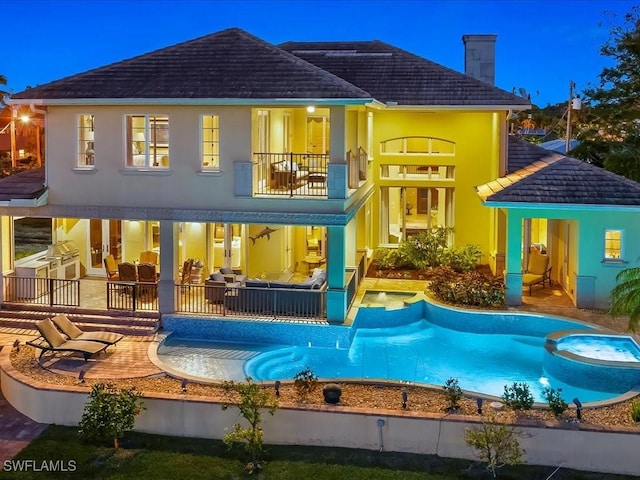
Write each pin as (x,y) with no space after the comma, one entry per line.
(495,444)
(253,399)
(305,383)
(453,394)
(555,400)
(109,413)
(518,396)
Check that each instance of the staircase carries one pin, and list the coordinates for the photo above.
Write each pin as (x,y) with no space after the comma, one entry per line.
(128,323)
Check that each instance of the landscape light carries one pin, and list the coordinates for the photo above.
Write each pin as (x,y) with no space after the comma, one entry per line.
(479,403)
(405,396)
(578,404)
(81,376)
(184,385)
(277,387)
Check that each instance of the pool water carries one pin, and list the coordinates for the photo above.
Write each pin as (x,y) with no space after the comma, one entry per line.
(614,349)
(422,344)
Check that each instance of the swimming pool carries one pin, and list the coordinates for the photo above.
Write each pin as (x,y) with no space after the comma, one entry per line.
(422,343)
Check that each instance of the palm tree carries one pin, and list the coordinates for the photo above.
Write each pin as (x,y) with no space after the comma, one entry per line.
(3,81)
(625,297)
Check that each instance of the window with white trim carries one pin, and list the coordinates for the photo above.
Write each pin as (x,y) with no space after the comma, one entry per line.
(613,245)
(318,133)
(85,140)
(147,141)
(210,142)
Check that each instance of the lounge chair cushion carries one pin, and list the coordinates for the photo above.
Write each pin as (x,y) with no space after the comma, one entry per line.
(217,277)
(74,333)
(227,271)
(59,344)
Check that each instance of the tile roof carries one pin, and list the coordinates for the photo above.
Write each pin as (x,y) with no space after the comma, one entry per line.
(555,179)
(391,74)
(229,64)
(24,185)
(522,153)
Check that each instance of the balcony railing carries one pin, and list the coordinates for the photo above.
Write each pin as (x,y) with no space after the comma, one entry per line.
(41,291)
(291,174)
(251,302)
(357,162)
(132,296)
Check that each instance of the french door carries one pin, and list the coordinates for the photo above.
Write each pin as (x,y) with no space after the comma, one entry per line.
(104,237)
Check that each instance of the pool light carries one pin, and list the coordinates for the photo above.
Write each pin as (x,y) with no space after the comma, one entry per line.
(405,396)
(578,408)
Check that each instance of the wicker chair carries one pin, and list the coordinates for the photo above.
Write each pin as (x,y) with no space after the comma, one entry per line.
(149,279)
(149,257)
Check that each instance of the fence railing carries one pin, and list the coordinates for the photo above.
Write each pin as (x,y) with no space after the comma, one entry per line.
(41,291)
(132,296)
(251,302)
(291,174)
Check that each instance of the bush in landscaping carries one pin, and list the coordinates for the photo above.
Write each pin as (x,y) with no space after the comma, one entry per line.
(386,259)
(305,383)
(253,399)
(109,413)
(425,249)
(461,259)
(472,288)
(518,396)
(635,411)
(453,394)
(555,400)
(495,444)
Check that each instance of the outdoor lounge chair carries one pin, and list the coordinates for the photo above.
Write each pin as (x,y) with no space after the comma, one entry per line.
(67,327)
(53,341)
(538,271)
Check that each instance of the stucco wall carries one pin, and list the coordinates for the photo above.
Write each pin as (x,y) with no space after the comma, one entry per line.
(336,426)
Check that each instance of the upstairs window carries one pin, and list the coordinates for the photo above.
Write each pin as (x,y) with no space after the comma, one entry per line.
(85,156)
(147,141)
(613,245)
(210,142)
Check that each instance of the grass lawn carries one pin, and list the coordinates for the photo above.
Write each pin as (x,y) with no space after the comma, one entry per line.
(157,457)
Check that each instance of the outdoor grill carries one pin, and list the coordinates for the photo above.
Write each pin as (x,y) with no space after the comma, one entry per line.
(65,260)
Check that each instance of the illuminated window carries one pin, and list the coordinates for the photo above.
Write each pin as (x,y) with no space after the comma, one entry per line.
(613,244)
(211,142)
(84,141)
(147,141)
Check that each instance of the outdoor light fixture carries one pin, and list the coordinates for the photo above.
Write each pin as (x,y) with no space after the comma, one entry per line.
(479,404)
(311,109)
(405,396)
(277,387)
(81,376)
(16,345)
(578,408)
(184,385)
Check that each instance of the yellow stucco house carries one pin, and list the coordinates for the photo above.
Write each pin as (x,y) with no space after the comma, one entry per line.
(274,160)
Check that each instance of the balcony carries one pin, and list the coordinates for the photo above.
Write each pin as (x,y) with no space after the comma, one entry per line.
(304,174)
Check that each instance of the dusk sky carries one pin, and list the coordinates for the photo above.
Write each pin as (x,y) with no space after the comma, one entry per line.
(542,45)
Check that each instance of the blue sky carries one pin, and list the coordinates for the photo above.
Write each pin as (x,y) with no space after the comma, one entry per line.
(542,45)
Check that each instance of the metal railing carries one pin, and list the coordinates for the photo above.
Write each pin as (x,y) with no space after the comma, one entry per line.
(41,291)
(252,302)
(132,296)
(291,174)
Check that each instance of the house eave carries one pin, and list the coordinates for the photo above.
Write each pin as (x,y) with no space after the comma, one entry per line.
(562,206)
(39,201)
(394,106)
(193,101)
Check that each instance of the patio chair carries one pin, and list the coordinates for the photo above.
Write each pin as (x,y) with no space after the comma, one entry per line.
(51,340)
(538,271)
(128,273)
(185,275)
(111,268)
(67,327)
(149,256)
(149,278)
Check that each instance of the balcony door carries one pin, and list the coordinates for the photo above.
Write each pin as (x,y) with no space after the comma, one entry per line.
(104,238)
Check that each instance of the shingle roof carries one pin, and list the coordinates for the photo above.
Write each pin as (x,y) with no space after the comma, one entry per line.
(228,64)
(24,185)
(556,179)
(521,153)
(391,74)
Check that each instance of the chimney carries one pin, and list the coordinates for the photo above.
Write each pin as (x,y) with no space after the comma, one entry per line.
(480,57)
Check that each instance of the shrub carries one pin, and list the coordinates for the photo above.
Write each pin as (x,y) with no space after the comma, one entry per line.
(386,259)
(518,396)
(635,411)
(424,249)
(452,393)
(109,413)
(555,400)
(462,259)
(305,383)
(472,289)
(253,399)
(496,445)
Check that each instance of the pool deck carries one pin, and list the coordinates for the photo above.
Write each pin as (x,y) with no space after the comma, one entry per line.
(129,359)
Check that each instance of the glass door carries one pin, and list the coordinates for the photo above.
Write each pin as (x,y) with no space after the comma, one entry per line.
(104,238)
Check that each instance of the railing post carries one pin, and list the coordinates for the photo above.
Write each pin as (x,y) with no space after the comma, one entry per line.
(50,281)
